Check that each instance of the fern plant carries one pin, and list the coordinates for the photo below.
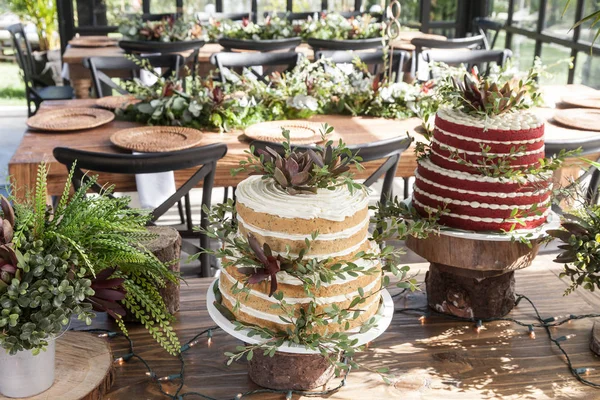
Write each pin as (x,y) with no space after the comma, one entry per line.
(85,239)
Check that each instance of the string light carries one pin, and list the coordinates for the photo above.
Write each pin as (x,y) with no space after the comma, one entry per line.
(238,396)
(552,319)
(108,334)
(479,326)
(531,331)
(209,335)
(169,377)
(585,371)
(151,374)
(422,319)
(566,337)
(289,395)
(123,359)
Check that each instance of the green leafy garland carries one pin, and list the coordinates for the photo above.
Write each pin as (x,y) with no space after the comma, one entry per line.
(87,251)
(311,88)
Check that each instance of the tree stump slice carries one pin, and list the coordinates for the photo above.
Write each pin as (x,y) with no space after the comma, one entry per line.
(476,255)
(468,297)
(595,339)
(84,368)
(167,247)
(290,371)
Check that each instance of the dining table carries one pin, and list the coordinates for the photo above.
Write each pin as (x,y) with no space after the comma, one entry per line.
(36,147)
(81,81)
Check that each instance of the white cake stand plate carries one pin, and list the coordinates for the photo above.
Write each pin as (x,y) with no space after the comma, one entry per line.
(384,316)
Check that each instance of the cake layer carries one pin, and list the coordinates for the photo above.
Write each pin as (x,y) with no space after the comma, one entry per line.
(466,143)
(506,127)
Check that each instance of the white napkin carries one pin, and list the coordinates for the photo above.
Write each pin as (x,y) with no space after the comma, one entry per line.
(154,189)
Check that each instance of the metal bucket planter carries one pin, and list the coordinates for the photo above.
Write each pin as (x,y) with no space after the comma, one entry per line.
(25,375)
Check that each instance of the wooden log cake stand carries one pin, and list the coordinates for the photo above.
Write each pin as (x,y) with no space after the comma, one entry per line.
(472,278)
(84,368)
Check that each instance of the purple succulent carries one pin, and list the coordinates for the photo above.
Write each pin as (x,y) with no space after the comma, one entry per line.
(271,264)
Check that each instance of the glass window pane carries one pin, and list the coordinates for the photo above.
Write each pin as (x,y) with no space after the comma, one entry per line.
(526,14)
(553,54)
(162,7)
(270,6)
(443,10)
(523,50)
(101,13)
(557,24)
(237,6)
(306,5)
(343,5)
(410,11)
(191,7)
(587,71)
(499,10)
(586,34)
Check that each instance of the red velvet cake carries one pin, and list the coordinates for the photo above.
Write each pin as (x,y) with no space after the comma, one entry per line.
(452,177)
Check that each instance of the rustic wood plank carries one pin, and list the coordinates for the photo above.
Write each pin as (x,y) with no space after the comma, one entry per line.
(439,358)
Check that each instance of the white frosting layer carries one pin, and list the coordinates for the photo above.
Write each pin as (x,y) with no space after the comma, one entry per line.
(483,194)
(470,139)
(512,121)
(273,317)
(484,219)
(264,196)
(476,204)
(345,234)
(479,153)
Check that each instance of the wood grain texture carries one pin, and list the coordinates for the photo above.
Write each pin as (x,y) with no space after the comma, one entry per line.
(37,147)
(440,358)
(84,368)
(167,248)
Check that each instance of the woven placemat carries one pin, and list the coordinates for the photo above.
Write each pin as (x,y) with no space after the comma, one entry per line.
(301,132)
(586,119)
(91,43)
(156,139)
(114,102)
(70,119)
(589,101)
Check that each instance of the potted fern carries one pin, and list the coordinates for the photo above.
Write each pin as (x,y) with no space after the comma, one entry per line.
(84,255)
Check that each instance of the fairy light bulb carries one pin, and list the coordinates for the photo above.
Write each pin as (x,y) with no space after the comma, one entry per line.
(583,371)
(567,337)
(479,326)
(422,319)
(169,377)
(289,395)
(151,375)
(238,396)
(531,331)
(123,359)
(209,335)
(107,334)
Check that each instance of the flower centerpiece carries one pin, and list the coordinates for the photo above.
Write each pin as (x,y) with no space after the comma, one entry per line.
(300,270)
(333,31)
(273,34)
(165,30)
(83,255)
(319,87)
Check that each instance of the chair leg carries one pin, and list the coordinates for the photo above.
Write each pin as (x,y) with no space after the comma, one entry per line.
(225,194)
(406,187)
(181,214)
(188,212)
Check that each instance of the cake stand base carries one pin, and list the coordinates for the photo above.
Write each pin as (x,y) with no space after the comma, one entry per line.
(290,371)
(456,291)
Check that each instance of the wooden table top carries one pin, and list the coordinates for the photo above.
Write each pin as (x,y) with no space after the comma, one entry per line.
(441,358)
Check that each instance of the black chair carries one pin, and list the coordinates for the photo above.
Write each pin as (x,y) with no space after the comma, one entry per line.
(36,90)
(472,43)
(205,156)
(485,27)
(469,58)
(104,85)
(390,150)
(248,61)
(371,58)
(267,45)
(588,146)
(204,17)
(341,44)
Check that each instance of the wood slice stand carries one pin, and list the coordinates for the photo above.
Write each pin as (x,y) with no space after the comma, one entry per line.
(472,278)
(84,368)
(167,247)
(290,371)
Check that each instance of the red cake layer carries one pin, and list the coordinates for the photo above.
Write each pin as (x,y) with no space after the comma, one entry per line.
(518,161)
(494,186)
(476,145)
(455,166)
(489,134)
(494,197)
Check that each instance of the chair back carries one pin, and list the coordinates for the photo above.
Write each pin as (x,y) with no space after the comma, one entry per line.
(204,17)
(206,157)
(388,150)
(289,44)
(470,58)
(375,59)
(484,26)
(104,85)
(24,55)
(249,62)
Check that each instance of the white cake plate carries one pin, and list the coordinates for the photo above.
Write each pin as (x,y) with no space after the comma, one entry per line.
(552,222)
(384,315)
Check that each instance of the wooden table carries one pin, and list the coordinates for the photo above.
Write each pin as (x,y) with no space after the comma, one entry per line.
(80,76)
(440,358)
(37,147)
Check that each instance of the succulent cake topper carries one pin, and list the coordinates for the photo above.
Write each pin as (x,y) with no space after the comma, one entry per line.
(304,170)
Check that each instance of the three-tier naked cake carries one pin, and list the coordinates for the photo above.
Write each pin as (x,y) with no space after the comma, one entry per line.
(454,176)
(284,222)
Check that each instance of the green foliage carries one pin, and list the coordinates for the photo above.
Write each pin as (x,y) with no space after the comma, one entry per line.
(165,30)
(63,250)
(42,13)
(271,28)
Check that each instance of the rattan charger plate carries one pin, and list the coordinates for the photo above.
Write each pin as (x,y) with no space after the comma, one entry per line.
(70,119)
(156,139)
(587,101)
(92,43)
(301,132)
(114,102)
(586,119)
